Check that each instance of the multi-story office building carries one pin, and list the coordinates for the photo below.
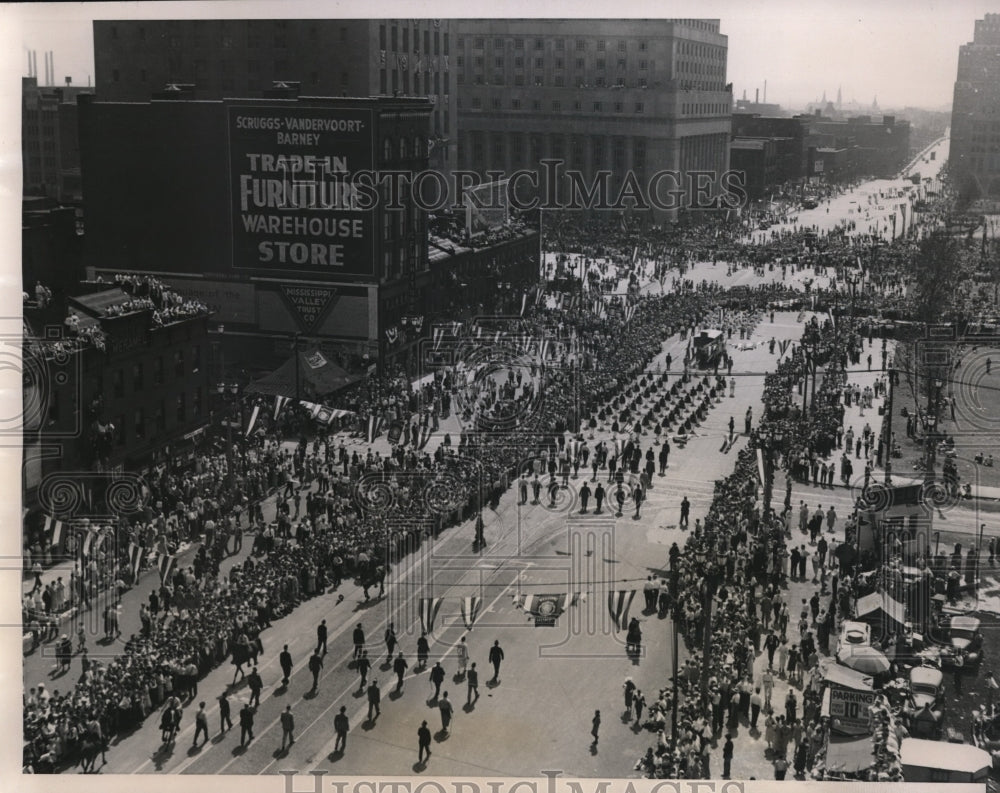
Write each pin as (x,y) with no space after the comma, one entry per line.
(49,140)
(327,57)
(975,116)
(638,95)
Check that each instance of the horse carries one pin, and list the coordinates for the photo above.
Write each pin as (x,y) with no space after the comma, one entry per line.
(372,576)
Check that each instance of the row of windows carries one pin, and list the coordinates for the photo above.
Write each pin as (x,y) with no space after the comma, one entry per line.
(577,145)
(702,50)
(559,81)
(559,63)
(580,45)
(143,426)
(687,67)
(394,40)
(137,375)
(702,108)
(401,82)
(557,106)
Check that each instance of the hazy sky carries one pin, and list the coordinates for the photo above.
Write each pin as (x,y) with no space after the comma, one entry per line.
(903,51)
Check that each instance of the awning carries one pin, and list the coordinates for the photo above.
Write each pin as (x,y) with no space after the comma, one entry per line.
(838,675)
(849,756)
(945,756)
(879,607)
(315,376)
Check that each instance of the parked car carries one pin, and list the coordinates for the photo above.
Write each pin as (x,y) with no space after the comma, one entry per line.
(965,641)
(926,709)
(854,633)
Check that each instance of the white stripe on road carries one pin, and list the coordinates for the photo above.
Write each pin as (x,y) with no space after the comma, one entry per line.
(328,747)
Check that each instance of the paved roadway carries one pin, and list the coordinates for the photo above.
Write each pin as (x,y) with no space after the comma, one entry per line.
(570,670)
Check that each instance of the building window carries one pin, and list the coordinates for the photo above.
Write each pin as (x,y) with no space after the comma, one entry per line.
(196,402)
(498,44)
(577,105)
(556,106)
(446,47)
(642,46)
(601,44)
(137,378)
(477,103)
(536,104)
(179,363)
(539,44)
(518,44)
(560,45)
(621,63)
(515,104)
(559,63)
(579,63)
(381,37)
(114,76)
(518,79)
(479,62)
(118,383)
(140,424)
(639,107)
(498,62)
(406,39)
(180,409)
(478,43)
(598,107)
(496,103)
(559,81)
(142,75)
(518,63)
(599,82)
(581,45)
(600,63)
(120,433)
(643,65)
(622,46)
(394,38)
(642,82)
(618,107)
(160,416)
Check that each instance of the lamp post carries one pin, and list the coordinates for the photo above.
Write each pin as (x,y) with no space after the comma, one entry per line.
(852,282)
(676,642)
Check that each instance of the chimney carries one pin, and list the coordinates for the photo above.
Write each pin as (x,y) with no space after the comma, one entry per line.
(29,63)
(765,92)
(69,80)
(756,97)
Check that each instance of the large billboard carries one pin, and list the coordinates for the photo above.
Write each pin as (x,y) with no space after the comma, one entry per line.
(294,208)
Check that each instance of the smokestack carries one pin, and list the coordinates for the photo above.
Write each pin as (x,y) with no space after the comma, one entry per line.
(756,97)
(744,94)
(45,66)
(29,63)
(69,80)
(31,60)
(48,68)
(765,92)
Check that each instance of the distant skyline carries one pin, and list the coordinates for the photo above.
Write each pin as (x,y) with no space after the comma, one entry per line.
(904,52)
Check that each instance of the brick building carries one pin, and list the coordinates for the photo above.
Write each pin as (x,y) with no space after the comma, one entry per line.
(223,58)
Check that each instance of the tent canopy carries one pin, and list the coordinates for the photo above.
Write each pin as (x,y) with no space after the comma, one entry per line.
(945,756)
(879,607)
(315,375)
(849,756)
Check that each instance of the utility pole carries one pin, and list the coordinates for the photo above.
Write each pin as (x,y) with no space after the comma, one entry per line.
(888,428)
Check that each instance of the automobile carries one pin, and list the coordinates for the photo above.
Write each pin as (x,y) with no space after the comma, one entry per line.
(810,203)
(964,637)
(858,634)
(925,710)
(926,686)
(764,225)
